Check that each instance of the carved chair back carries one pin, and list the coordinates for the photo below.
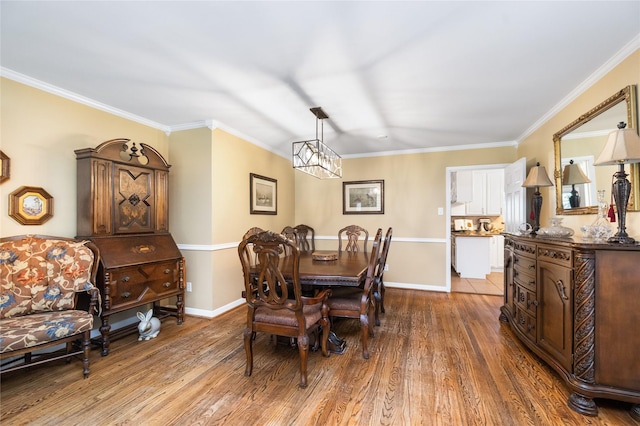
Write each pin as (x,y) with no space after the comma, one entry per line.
(353,233)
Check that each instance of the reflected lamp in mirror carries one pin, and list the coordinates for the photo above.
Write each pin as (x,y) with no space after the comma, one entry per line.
(536,178)
(573,175)
(622,147)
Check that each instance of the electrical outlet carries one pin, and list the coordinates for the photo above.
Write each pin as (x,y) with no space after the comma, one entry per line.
(386,266)
(189,286)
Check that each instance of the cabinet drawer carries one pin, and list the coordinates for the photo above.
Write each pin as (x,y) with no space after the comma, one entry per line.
(143,283)
(526,300)
(554,254)
(524,249)
(526,324)
(524,265)
(525,280)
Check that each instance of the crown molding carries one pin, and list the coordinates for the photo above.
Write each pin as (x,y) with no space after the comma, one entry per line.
(49,88)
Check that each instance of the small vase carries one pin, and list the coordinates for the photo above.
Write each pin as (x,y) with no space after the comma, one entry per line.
(601,229)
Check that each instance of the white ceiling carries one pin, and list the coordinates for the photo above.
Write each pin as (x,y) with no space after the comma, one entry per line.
(392,76)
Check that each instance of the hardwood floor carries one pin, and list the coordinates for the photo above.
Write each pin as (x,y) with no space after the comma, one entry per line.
(437,359)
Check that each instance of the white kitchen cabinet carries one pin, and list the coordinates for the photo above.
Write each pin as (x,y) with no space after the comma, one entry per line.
(472,258)
(497,252)
(488,193)
(461,191)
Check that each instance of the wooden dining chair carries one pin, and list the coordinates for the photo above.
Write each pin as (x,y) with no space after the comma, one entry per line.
(378,288)
(249,255)
(353,233)
(290,234)
(277,308)
(346,302)
(305,237)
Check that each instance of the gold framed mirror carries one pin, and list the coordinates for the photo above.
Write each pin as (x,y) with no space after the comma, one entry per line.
(580,143)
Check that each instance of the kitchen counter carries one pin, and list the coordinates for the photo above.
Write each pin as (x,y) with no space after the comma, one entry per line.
(474,234)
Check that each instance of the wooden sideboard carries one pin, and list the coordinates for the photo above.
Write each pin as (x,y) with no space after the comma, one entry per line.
(123,207)
(575,305)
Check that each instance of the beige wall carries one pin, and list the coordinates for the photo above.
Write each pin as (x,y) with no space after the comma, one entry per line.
(209,184)
(414,189)
(210,210)
(39,132)
(539,145)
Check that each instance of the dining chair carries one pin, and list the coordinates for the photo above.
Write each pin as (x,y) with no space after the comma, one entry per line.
(290,234)
(248,255)
(305,237)
(346,302)
(277,308)
(378,288)
(353,233)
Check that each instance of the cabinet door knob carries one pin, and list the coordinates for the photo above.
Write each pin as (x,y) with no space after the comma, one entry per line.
(532,266)
(126,294)
(166,271)
(167,285)
(126,279)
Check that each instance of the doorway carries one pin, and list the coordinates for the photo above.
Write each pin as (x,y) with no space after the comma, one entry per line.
(512,212)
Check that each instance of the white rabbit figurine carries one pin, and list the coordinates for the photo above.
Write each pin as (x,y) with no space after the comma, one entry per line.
(149,326)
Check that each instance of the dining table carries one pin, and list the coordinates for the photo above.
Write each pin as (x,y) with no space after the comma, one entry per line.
(325,269)
(341,269)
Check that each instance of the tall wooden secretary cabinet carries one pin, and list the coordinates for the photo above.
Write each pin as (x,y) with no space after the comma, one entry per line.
(123,207)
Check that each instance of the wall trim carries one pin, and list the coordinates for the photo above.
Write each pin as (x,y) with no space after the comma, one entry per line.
(233,245)
(207,313)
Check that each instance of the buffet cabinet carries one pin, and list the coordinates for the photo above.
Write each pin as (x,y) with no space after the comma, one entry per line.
(575,305)
(123,208)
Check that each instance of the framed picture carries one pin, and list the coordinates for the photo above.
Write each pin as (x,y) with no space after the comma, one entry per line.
(5,167)
(363,197)
(263,194)
(30,205)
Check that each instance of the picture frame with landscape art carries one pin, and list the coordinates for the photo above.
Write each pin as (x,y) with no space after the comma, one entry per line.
(263,194)
(30,205)
(363,197)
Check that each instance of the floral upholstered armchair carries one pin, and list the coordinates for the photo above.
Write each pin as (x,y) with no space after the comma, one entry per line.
(42,280)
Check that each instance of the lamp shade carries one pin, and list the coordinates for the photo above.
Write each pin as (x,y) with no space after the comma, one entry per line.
(537,177)
(622,147)
(573,175)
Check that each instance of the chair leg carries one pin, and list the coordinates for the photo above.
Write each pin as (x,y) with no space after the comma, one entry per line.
(248,348)
(86,349)
(382,290)
(364,330)
(303,349)
(326,329)
(377,303)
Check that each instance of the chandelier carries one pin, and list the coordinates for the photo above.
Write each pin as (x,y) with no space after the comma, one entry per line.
(314,157)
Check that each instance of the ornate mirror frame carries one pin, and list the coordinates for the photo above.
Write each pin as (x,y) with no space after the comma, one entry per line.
(627,95)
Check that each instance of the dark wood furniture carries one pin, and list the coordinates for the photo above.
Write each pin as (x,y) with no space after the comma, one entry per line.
(378,289)
(575,305)
(276,304)
(353,233)
(305,237)
(123,207)
(357,303)
(348,270)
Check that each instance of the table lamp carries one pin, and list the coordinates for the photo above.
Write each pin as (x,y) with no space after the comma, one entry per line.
(573,175)
(536,178)
(622,147)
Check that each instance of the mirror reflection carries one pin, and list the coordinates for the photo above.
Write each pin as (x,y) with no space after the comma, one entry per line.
(577,146)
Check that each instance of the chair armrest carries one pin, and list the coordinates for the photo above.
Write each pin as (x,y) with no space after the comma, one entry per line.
(94,305)
(318,298)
